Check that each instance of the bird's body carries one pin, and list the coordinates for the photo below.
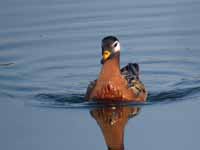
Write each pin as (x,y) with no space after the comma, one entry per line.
(114,84)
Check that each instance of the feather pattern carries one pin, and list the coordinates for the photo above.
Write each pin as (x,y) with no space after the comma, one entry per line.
(130,73)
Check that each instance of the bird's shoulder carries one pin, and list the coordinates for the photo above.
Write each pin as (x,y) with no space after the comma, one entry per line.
(130,73)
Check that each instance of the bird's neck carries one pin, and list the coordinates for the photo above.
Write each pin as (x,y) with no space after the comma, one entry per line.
(112,66)
(116,60)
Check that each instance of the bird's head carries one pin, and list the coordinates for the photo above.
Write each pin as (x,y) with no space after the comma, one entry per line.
(110,47)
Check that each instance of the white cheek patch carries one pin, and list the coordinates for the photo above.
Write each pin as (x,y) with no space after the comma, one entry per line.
(117,48)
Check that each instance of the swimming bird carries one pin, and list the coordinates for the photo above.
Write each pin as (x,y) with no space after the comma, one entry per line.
(113,83)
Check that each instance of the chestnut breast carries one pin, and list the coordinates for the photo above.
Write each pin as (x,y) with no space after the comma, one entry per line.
(110,84)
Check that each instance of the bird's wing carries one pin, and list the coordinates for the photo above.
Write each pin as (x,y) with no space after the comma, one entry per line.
(90,87)
(131,73)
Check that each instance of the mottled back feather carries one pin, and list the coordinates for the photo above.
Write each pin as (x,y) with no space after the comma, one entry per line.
(130,72)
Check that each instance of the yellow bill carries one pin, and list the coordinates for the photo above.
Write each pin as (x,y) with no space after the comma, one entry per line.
(106,54)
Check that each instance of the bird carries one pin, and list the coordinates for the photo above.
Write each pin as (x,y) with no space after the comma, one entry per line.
(113,83)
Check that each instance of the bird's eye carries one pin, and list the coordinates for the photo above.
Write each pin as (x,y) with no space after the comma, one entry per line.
(115,44)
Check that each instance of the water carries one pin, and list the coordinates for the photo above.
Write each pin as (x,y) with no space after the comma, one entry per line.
(50,50)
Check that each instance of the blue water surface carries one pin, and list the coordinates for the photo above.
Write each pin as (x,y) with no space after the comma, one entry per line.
(50,51)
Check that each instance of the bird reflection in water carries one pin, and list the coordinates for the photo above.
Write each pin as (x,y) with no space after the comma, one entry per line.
(112,121)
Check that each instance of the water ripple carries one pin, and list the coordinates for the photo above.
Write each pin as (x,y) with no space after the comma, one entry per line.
(53,48)
(78,101)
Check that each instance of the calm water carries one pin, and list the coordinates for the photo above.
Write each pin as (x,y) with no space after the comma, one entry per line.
(50,50)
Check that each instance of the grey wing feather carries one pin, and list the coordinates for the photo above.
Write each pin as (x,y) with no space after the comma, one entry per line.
(130,72)
(90,88)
